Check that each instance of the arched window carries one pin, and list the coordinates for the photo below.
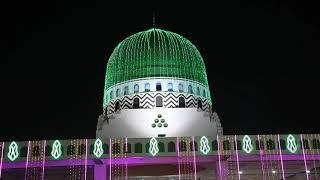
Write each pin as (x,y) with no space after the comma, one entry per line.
(270,144)
(159,102)
(204,93)
(158,86)
(195,146)
(81,149)
(118,93)
(24,151)
(226,145)
(111,95)
(126,90)
(117,106)
(199,104)
(214,145)
(138,148)
(181,87)
(48,150)
(182,102)
(316,144)
(105,148)
(171,147)
(182,146)
(190,89)
(161,146)
(36,151)
(136,88)
(306,144)
(146,87)
(237,144)
(71,150)
(198,91)
(127,148)
(136,103)
(282,144)
(170,87)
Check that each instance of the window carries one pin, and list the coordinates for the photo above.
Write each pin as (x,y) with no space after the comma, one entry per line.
(136,88)
(159,102)
(195,146)
(199,104)
(198,91)
(214,145)
(226,145)
(111,95)
(204,93)
(182,102)
(271,145)
(171,147)
(161,146)
(127,148)
(136,103)
(117,106)
(316,144)
(182,146)
(190,89)
(118,93)
(81,149)
(170,87)
(146,87)
(115,148)
(126,90)
(138,148)
(158,86)
(306,144)
(180,87)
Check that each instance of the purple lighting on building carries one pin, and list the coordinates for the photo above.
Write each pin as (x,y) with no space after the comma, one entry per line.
(220,175)
(26,170)
(194,159)
(44,158)
(86,161)
(236,145)
(2,147)
(261,157)
(304,157)
(177,148)
(282,169)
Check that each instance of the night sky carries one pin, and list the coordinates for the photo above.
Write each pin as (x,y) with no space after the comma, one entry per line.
(260,59)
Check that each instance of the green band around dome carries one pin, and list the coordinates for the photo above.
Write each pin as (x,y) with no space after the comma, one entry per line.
(155,53)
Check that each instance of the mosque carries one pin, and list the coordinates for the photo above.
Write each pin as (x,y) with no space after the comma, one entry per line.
(158,122)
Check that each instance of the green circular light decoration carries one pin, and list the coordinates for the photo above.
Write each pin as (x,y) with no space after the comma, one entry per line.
(56,151)
(292,145)
(98,150)
(153,148)
(13,152)
(155,53)
(204,145)
(247,144)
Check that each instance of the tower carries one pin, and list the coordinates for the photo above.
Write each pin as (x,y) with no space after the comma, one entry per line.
(156,86)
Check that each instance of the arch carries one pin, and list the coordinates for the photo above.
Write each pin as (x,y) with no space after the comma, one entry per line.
(91,149)
(182,146)
(315,144)
(195,146)
(190,90)
(128,149)
(136,103)
(48,150)
(117,106)
(226,145)
(258,145)
(214,145)
(146,87)
(136,88)
(237,144)
(199,104)
(118,93)
(159,101)
(126,90)
(204,93)
(282,144)
(161,146)
(171,147)
(36,151)
(170,87)
(182,102)
(138,148)
(111,95)
(271,145)
(115,148)
(105,148)
(158,86)
(181,87)
(198,91)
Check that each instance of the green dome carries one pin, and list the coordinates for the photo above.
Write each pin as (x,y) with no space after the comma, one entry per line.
(155,53)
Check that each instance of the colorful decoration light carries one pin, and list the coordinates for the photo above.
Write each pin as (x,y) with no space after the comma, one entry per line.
(13,153)
(98,150)
(204,145)
(291,144)
(153,148)
(56,149)
(247,144)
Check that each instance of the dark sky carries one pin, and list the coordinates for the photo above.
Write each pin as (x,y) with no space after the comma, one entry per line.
(261,62)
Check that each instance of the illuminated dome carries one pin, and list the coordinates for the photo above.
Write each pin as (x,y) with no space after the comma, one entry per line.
(155,53)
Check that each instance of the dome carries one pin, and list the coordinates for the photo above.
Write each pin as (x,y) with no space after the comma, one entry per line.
(155,53)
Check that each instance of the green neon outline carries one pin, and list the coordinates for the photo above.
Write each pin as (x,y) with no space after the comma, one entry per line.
(56,151)
(153,146)
(13,152)
(247,144)
(98,150)
(293,148)
(204,145)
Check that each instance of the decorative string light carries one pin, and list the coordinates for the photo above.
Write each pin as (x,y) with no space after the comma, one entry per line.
(291,144)
(13,153)
(247,144)
(204,145)
(153,147)
(56,149)
(98,150)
